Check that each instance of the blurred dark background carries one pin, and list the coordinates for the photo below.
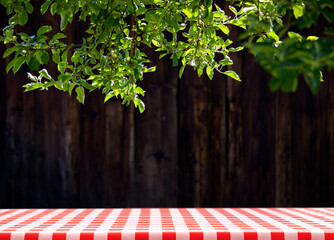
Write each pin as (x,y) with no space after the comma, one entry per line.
(200,143)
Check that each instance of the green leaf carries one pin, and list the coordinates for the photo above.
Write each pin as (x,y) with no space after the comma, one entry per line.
(32,77)
(8,32)
(151,69)
(200,71)
(295,35)
(140,91)
(152,16)
(22,18)
(62,66)
(76,57)
(10,51)
(45,58)
(209,72)
(207,3)
(10,64)
(233,10)
(273,35)
(43,29)
(54,8)
(29,8)
(56,55)
(45,74)
(80,94)
(274,84)
(109,95)
(14,20)
(45,6)
(181,71)
(95,54)
(224,29)
(64,55)
(70,88)
(232,74)
(313,79)
(48,84)
(58,36)
(103,37)
(155,43)
(226,61)
(33,64)
(238,23)
(175,60)
(18,63)
(289,84)
(193,28)
(140,104)
(25,37)
(298,10)
(237,49)
(187,12)
(63,22)
(94,7)
(87,85)
(33,86)
(111,22)
(312,38)
(64,78)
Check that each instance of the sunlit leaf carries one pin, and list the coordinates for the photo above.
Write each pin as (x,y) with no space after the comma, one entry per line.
(80,94)
(232,74)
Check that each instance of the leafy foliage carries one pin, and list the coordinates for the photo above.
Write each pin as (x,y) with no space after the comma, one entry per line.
(190,32)
(286,53)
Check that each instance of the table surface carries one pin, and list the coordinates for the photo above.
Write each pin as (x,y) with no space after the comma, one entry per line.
(168,224)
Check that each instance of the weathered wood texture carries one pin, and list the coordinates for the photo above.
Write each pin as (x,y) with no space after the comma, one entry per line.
(199,142)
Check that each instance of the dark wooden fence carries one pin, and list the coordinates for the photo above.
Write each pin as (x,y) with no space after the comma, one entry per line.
(199,143)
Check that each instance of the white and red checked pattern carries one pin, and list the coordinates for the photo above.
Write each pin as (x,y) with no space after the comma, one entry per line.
(168,224)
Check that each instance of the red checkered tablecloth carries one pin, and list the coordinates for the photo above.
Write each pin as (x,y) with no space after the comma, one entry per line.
(168,224)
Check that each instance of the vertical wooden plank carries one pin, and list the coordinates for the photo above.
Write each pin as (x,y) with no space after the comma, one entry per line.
(305,147)
(116,172)
(3,116)
(93,149)
(13,156)
(155,166)
(128,153)
(13,152)
(283,150)
(193,140)
(330,131)
(217,145)
(234,189)
(258,135)
(72,150)
(323,144)
(58,168)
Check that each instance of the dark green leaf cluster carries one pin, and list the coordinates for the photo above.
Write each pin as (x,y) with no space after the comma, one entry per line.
(287,54)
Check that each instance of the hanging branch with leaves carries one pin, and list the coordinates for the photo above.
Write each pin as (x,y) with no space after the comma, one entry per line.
(110,58)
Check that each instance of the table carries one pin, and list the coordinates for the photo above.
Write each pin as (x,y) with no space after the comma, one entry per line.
(168,224)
